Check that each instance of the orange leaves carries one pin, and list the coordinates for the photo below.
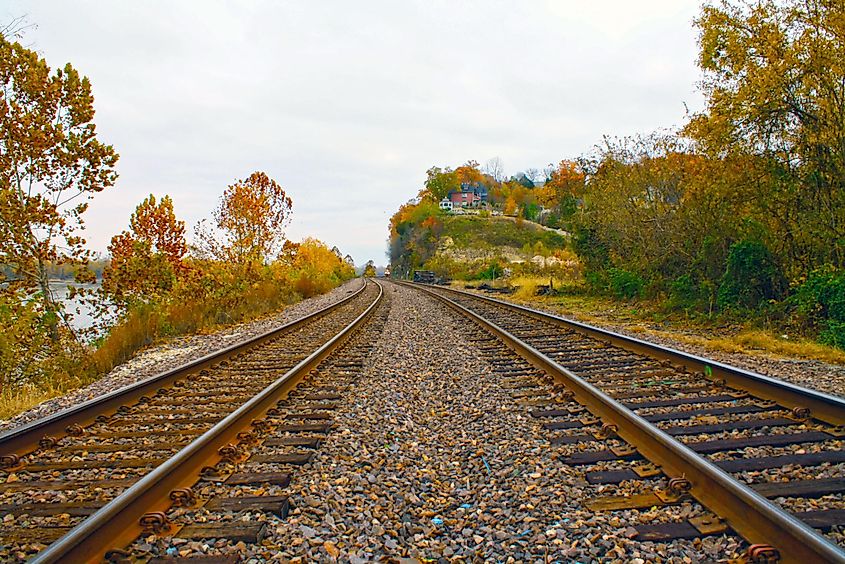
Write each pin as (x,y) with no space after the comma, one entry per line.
(468,174)
(567,180)
(251,215)
(147,260)
(313,267)
(157,225)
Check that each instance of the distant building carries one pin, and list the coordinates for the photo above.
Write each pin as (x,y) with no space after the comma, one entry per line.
(471,195)
(480,190)
(463,199)
(446,204)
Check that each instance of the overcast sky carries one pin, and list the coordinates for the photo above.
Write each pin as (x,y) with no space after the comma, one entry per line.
(346,104)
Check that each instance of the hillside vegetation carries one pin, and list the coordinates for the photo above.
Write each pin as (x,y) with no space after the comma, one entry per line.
(738,215)
(468,247)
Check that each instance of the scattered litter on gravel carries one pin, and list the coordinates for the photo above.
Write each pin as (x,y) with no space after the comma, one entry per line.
(176,351)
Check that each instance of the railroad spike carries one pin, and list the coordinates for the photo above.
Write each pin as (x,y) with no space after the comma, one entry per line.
(678,489)
(247,437)
(762,554)
(9,462)
(74,430)
(183,497)
(154,522)
(116,555)
(230,453)
(260,424)
(801,413)
(607,431)
(210,472)
(47,441)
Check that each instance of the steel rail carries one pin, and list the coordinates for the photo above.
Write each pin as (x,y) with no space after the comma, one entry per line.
(24,439)
(744,510)
(116,524)
(824,407)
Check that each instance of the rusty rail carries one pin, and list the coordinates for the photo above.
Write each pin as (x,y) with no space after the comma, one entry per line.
(117,523)
(747,512)
(822,406)
(25,439)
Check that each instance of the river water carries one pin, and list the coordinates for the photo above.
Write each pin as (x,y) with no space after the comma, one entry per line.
(84,315)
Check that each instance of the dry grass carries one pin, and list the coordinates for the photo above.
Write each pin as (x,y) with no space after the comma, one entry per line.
(755,341)
(17,401)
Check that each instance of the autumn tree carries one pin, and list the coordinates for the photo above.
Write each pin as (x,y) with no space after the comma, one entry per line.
(370,269)
(315,268)
(147,259)
(562,190)
(469,173)
(249,222)
(773,82)
(414,231)
(51,164)
(439,182)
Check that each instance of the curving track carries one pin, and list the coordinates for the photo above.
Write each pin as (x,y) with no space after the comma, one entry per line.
(95,476)
(761,457)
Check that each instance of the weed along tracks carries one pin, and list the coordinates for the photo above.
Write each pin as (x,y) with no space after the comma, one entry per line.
(418,422)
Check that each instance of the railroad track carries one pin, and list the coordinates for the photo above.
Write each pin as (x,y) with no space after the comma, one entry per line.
(84,483)
(657,428)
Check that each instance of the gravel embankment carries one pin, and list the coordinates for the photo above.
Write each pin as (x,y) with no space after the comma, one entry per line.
(814,374)
(432,458)
(177,351)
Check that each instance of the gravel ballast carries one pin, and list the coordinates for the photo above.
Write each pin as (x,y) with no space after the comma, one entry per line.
(434,455)
(432,458)
(813,374)
(177,351)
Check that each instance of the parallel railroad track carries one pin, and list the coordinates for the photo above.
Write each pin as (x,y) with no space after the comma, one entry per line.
(753,454)
(93,477)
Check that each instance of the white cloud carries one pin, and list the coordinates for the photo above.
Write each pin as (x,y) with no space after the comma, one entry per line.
(347,104)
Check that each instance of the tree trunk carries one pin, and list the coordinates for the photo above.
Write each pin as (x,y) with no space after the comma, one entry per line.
(50,307)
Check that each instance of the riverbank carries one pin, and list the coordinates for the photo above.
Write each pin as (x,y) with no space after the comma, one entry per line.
(163,355)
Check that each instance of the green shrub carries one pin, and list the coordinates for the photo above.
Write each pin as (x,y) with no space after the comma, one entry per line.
(752,276)
(833,334)
(686,292)
(819,305)
(589,247)
(596,281)
(493,270)
(625,284)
